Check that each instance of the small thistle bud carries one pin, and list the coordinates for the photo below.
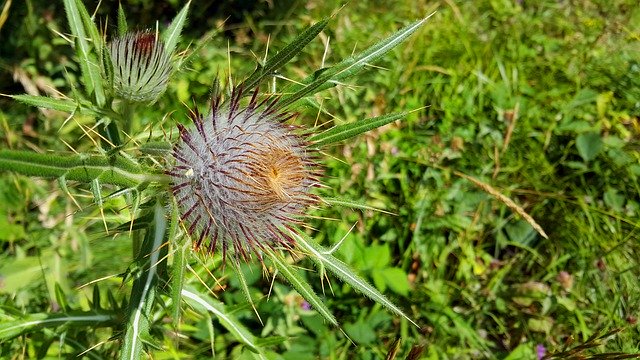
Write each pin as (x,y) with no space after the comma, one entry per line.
(141,66)
(242,176)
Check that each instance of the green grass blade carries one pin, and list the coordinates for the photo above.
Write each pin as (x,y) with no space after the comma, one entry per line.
(346,131)
(325,260)
(143,292)
(283,56)
(347,67)
(302,287)
(227,320)
(172,34)
(122,21)
(32,322)
(91,74)
(47,102)
(117,171)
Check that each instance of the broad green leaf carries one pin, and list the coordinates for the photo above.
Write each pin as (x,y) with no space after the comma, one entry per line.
(346,131)
(302,287)
(172,34)
(88,62)
(122,21)
(283,56)
(144,288)
(360,332)
(32,322)
(589,145)
(47,102)
(227,320)
(346,68)
(396,280)
(116,171)
(16,272)
(324,259)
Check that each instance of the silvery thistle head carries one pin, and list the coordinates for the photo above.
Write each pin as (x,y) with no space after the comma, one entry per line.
(141,66)
(242,177)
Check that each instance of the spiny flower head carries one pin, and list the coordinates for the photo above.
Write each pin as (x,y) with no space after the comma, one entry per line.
(242,177)
(141,66)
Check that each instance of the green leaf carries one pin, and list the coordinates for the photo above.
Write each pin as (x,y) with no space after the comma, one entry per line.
(160,148)
(90,27)
(589,145)
(361,332)
(283,56)
(346,131)
(324,259)
(396,280)
(227,320)
(16,272)
(143,292)
(239,275)
(172,34)
(47,102)
(179,265)
(353,204)
(302,287)
(346,68)
(32,322)
(122,21)
(91,75)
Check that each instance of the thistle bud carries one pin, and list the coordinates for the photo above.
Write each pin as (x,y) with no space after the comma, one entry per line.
(141,66)
(242,176)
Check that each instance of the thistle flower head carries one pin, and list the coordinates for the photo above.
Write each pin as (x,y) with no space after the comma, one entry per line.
(141,66)
(242,176)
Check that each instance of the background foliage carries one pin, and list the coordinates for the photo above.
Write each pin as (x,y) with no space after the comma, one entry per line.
(540,100)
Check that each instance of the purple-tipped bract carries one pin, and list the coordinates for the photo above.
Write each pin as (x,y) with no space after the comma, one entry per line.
(242,177)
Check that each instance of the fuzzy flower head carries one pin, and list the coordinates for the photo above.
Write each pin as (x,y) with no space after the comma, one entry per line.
(141,66)
(242,176)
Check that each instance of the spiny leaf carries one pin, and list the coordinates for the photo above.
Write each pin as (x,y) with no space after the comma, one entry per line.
(346,131)
(172,34)
(88,62)
(33,322)
(47,102)
(244,286)
(144,287)
(283,56)
(227,320)
(302,287)
(122,21)
(324,259)
(347,67)
(353,204)
(179,265)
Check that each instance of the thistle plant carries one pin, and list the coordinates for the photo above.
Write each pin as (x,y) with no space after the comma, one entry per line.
(236,184)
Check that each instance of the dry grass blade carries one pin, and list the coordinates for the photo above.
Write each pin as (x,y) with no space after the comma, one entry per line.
(505,200)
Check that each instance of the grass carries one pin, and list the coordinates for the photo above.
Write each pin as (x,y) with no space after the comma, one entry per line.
(539,100)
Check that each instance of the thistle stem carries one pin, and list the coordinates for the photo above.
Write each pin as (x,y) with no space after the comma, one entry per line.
(114,170)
